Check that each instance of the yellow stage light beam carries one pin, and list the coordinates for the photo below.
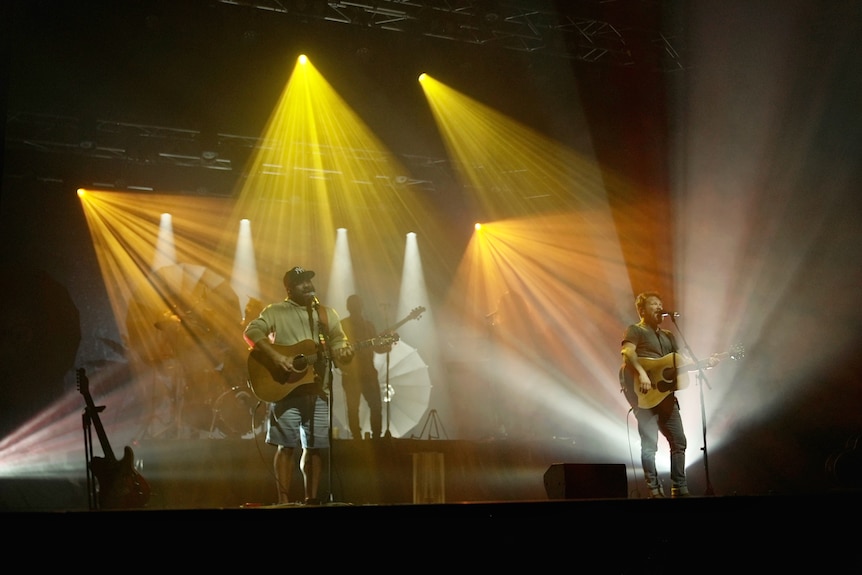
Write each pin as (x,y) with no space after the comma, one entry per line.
(321,168)
(556,237)
(511,169)
(184,315)
(244,277)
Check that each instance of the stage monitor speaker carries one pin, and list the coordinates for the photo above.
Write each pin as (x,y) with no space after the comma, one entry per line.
(586,481)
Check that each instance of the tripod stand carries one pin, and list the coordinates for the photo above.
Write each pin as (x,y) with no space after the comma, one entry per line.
(433,425)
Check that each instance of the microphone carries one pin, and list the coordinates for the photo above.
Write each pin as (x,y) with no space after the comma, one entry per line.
(672,314)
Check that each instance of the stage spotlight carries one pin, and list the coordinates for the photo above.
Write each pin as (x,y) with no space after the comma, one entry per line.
(208,146)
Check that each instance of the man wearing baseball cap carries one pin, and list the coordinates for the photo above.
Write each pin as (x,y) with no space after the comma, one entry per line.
(293,342)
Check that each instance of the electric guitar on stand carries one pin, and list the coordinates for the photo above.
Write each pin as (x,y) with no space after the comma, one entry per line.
(120,485)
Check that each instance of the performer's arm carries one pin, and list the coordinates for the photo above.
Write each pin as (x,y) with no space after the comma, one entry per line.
(256,335)
(630,357)
(339,343)
(384,347)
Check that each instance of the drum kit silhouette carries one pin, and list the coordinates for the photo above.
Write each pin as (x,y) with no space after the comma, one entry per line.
(184,327)
(205,382)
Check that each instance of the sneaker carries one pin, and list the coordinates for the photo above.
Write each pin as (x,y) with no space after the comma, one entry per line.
(677,492)
(656,493)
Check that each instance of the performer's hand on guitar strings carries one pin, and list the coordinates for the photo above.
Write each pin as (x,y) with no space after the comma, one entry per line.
(646,383)
(344,355)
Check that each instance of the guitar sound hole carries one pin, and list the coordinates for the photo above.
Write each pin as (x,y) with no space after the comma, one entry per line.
(668,379)
(300,363)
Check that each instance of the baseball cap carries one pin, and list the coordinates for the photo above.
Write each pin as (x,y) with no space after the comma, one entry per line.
(297,275)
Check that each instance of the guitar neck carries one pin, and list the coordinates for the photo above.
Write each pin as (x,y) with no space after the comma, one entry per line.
(366,343)
(395,326)
(412,315)
(313,358)
(100,432)
(704,363)
(93,416)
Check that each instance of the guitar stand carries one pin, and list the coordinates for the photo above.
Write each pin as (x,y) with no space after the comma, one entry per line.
(87,422)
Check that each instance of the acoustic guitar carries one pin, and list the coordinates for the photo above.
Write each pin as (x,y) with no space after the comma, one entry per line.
(120,485)
(271,383)
(668,373)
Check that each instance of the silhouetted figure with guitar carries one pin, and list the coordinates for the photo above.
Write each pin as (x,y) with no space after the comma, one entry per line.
(293,345)
(360,378)
(653,369)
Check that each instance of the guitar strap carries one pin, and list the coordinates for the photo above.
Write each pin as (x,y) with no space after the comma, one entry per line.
(324,319)
(323,322)
(322,332)
(323,341)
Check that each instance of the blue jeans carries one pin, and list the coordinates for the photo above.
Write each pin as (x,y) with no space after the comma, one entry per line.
(664,418)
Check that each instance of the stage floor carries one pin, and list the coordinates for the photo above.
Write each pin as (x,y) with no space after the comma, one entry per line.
(232,473)
(495,502)
(818,533)
(493,479)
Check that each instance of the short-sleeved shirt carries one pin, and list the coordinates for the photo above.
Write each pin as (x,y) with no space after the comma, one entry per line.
(649,343)
(287,323)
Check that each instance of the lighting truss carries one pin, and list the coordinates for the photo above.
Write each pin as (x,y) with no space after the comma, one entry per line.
(537,26)
(140,145)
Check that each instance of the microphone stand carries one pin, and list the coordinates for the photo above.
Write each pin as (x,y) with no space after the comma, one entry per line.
(702,380)
(326,374)
(387,398)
